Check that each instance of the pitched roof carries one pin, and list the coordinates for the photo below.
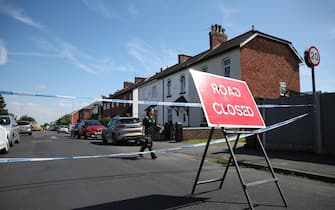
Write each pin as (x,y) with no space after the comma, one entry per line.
(236,42)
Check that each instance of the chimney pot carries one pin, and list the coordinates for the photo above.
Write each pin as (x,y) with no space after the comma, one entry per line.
(217,36)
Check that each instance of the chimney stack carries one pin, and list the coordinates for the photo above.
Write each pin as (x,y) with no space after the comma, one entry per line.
(127,84)
(139,79)
(182,58)
(217,36)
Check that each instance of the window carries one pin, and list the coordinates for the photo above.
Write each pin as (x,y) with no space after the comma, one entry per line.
(168,88)
(108,105)
(105,106)
(282,88)
(226,67)
(154,91)
(182,85)
(145,94)
(169,115)
(204,68)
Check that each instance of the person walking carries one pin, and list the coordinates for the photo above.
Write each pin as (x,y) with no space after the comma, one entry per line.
(149,126)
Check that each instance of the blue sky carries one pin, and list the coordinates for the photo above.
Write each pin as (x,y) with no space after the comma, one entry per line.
(89,47)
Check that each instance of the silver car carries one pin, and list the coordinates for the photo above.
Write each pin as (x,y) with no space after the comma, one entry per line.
(4,142)
(122,129)
(25,127)
(10,124)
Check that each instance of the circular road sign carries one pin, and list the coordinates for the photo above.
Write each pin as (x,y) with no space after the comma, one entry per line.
(313,56)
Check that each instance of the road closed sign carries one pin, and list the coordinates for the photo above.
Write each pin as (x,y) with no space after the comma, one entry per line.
(226,102)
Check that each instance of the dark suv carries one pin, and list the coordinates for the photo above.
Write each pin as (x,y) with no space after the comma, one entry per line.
(90,128)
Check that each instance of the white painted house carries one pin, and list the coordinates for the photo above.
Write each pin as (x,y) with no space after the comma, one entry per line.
(263,61)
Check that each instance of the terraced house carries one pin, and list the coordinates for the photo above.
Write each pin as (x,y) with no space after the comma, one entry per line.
(269,65)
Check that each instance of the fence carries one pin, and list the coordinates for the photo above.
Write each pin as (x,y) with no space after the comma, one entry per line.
(299,136)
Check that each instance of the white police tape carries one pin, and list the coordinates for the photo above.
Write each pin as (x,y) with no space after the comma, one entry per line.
(157,103)
(231,138)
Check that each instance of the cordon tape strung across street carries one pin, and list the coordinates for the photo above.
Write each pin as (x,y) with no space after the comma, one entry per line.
(231,138)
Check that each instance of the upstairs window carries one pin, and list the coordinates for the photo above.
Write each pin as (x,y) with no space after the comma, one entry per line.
(182,84)
(226,67)
(154,91)
(168,88)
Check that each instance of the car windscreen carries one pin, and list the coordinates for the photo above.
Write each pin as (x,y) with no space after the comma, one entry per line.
(22,123)
(94,122)
(4,121)
(130,121)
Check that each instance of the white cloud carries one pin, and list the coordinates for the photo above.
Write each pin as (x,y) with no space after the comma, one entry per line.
(151,59)
(32,54)
(18,14)
(99,7)
(68,52)
(3,53)
(80,59)
(64,104)
(39,112)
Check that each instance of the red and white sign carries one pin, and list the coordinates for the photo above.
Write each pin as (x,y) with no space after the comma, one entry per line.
(226,102)
(313,56)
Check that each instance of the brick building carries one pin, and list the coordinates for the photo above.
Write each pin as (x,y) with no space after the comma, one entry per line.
(112,109)
(269,65)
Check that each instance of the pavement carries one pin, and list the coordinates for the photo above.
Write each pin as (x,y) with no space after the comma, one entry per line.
(302,164)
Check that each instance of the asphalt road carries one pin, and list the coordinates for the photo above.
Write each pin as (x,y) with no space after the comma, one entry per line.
(136,183)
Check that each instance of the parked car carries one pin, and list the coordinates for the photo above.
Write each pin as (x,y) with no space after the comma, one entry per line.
(10,124)
(63,129)
(74,130)
(90,128)
(122,129)
(4,141)
(25,127)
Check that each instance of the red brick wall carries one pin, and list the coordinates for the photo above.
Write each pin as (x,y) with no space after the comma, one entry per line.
(74,118)
(120,108)
(265,63)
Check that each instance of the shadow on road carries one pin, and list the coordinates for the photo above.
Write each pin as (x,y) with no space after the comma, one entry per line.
(150,202)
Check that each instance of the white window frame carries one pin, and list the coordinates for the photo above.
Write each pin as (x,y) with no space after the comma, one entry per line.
(168,84)
(226,67)
(182,84)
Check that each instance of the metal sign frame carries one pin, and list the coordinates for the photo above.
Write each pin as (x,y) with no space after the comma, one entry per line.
(233,159)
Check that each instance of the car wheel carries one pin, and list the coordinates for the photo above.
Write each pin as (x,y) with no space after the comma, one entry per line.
(85,136)
(78,136)
(30,133)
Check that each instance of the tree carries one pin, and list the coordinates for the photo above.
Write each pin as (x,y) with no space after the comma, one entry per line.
(3,105)
(27,118)
(65,120)
(105,120)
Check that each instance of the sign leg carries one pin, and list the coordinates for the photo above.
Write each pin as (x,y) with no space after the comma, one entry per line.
(230,159)
(240,175)
(202,160)
(271,169)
